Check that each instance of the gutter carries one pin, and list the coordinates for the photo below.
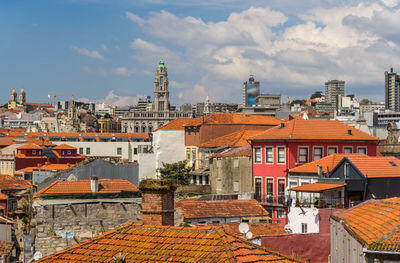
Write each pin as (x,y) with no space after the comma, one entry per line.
(381,252)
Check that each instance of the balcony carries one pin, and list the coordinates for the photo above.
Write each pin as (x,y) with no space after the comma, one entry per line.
(276,200)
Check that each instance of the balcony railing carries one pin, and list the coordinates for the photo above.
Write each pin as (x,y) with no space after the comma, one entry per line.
(320,202)
(281,200)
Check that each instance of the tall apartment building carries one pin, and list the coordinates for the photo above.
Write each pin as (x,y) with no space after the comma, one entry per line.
(251,89)
(333,89)
(392,91)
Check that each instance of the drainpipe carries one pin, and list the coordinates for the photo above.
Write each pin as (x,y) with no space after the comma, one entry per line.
(365,187)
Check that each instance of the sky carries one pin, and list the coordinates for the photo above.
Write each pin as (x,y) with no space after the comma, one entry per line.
(108,50)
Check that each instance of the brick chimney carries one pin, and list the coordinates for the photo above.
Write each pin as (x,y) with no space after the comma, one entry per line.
(157,201)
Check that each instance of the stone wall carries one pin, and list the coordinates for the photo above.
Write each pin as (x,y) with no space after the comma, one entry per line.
(60,225)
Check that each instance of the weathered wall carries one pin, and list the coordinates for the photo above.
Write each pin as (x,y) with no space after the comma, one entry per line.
(298,216)
(62,223)
(230,175)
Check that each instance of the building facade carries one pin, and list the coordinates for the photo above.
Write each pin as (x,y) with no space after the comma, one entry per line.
(154,114)
(392,91)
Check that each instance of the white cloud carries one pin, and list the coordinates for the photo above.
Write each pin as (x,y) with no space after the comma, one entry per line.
(84,51)
(121,98)
(353,42)
(123,71)
(133,17)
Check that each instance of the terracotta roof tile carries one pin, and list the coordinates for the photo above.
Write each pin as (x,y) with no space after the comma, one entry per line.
(3,196)
(236,152)
(64,147)
(175,125)
(8,182)
(256,230)
(234,118)
(6,248)
(147,243)
(47,167)
(83,186)
(226,208)
(299,129)
(328,162)
(29,146)
(375,222)
(374,167)
(235,139)
(316,187)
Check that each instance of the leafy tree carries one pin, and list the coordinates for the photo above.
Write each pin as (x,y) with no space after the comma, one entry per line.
(4,106)
(301,102)
(178,172)
(365,102)
(317,94)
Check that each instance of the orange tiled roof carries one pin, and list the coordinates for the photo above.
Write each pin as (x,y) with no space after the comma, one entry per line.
(328,162)
(83,186)
(374,167)
(256,230)
(64,147)
(6,248)
(29,146)
(8,182)
(175,125)
(375,222)
(6,220)
(234,118)
(147,243)
(48,167)
(299,129)
(3,196)
(235,152)
(235,139)
(316,187)
(226,208)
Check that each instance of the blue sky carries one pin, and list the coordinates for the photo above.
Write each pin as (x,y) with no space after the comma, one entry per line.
(103,50)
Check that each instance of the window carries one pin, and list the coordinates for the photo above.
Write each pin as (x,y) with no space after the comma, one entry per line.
(269,155)
(270,190)
(194,154)
(280,213)
(303,155)
(281,154)
(68,152)
(236,186)
(257,184)
(270,211)
(332,150)
(194,179)
(281,186)
(33,151)
(80,150)
(207,179)
(348,149)
(135,150)
(87,150)
(257,155)
(119,151)
(362,150)
(200,179)
(188,154)
(317,153)
(219,184)
(303,228)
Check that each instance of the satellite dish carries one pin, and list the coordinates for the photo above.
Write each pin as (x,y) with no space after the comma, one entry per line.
(249,235)
(243,228)
(38,255)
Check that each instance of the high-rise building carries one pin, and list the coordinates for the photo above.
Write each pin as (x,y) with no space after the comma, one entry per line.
(251,89)
(333,90)
(392,91)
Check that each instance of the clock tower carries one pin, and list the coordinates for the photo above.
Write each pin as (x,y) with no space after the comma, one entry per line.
(161,92)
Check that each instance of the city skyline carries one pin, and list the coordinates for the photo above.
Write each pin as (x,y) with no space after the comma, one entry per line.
(98,49)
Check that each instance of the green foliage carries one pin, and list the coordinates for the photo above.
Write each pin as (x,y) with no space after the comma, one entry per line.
(178,172)
(317,94)
(4,106)
(301,102)
(365,102)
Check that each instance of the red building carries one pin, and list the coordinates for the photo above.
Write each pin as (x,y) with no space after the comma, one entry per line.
(32,155)
(293,143)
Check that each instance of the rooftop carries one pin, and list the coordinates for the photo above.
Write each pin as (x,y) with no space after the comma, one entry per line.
(147,243)
(3,196)
(29,146)
(316,187)
(226,208)
(235,152)
(106,186)
(300,129)
(375,167)
(327,163)
(375,223)
(175,125)
(234,118)
(8,182)
(64,147)
(235,139)
(256,230)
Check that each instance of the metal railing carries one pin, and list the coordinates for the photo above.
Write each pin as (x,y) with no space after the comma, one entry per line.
(282,200)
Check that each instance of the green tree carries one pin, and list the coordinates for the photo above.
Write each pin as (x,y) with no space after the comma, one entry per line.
(178,172)
(317,94)
(301,102)
(365,102)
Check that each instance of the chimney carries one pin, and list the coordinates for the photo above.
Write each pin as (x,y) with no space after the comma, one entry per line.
(157,201)
(94,184)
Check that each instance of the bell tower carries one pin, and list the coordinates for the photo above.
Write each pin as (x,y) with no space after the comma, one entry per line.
(161,92)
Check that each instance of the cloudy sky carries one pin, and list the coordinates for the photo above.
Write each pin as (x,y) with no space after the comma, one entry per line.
(109,49)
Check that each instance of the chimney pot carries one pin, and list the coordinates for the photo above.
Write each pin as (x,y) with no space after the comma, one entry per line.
(319,170)
(94,184)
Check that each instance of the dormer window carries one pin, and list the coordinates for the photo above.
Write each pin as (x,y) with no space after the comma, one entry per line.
(34,152)
(68,152)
